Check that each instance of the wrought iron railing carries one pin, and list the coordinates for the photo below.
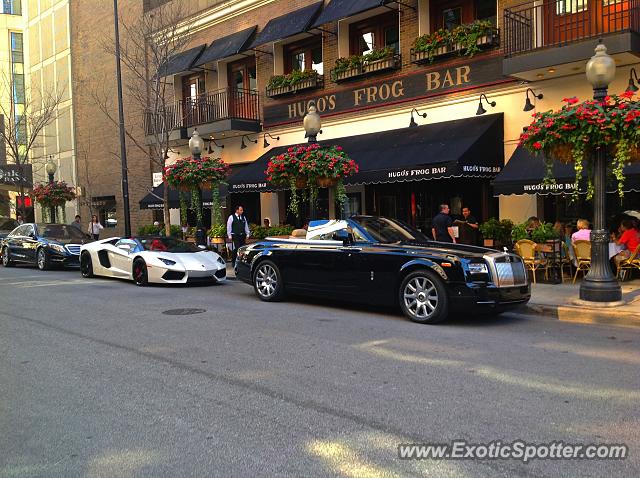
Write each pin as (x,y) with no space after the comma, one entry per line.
(226,103)
(550,23)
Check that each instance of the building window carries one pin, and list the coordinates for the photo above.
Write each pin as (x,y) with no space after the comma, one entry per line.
(303,56)
(449,14)
(17,84)
(374,33)
(11,7)
(568,7)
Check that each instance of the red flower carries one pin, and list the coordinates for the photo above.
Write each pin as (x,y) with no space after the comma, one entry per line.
(537,145)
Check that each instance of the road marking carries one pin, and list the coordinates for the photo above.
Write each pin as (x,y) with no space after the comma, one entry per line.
(51,284)
(21,277)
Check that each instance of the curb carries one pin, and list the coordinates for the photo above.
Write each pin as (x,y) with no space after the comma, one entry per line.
(585,315)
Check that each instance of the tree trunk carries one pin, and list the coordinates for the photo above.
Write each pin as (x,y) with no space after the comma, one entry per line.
(165,210)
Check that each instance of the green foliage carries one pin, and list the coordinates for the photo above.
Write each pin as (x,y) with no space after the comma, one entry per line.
(464,38)
(497,230)
(261,232)
(543,233)
(357,61)
(218,230)
(519,232)
(291,79)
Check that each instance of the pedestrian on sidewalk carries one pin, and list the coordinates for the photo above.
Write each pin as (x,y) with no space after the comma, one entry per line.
(467,228)
(95,227)
(237,231)
(77,223)
(442,225)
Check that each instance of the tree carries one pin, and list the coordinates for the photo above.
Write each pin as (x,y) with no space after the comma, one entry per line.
(147,45)
(23,128)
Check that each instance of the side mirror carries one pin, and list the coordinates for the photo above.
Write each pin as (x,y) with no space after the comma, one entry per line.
(343,236)
(125,247)
(202,248)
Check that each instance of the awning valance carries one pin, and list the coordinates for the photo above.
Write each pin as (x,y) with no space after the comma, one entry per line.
(471,147)
(154,200)
(339,9)
(287,25)
(226,46)
(524,174)
(182,61)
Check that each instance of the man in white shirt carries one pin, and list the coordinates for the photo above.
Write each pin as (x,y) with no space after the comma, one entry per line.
(237,230)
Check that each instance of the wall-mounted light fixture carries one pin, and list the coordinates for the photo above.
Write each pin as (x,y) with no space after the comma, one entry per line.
(243,145)
(481,110)
(528,106)
(266,143)
(632,86)
(412,123)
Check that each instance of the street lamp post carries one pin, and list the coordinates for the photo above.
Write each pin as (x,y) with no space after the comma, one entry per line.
(196,145)
(600,285)
(312,127)
(51,169)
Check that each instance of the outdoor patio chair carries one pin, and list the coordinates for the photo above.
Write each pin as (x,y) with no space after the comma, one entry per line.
(527,250)
(582,251)
(633,262)
(565,260)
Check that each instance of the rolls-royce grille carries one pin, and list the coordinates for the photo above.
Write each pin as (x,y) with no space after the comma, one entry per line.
(74,249)
(509,271)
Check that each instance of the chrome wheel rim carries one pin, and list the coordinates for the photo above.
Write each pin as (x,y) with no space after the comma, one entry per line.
(266,280)
(421,297)
(5,256)
(41,259)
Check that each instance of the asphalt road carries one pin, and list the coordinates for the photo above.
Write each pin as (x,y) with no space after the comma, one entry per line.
(96,379)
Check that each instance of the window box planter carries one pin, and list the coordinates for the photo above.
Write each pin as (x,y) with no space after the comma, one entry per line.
(314,82)
(391,62)
(487,41)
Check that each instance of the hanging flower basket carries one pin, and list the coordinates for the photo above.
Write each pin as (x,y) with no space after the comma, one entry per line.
(189,173)
(301,182)
(54,194)
(324,182)
(573,133)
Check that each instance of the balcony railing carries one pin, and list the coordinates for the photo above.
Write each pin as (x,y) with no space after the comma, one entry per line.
(552,23)
(227,103)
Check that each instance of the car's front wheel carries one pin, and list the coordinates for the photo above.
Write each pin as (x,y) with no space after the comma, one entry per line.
(423,298)
(6,257)
(267,282)
(42,259)
(86,265)
(140,276)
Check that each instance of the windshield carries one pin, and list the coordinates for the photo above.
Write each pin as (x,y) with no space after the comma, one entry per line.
(167,244)
(60,231)
(8,224)
(388,231)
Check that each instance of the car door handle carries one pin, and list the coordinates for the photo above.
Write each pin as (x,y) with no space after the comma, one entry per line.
(350,249)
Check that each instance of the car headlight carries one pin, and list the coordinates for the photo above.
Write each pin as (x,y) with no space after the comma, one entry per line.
(478,268)
(168,262)
(221,261)
(57,247)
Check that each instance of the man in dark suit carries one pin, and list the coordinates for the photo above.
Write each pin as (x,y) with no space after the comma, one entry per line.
(237,230)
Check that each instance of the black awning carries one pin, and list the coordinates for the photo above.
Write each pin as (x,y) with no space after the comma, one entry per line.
(226,46)
(339,9)
(287,25)
(524,174)
(471,147)
(154,200)
(182,61)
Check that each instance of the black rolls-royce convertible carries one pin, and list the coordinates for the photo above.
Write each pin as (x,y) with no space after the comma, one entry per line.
(380,261)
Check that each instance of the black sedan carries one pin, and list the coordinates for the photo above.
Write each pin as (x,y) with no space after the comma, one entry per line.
(44,245)
(381,261)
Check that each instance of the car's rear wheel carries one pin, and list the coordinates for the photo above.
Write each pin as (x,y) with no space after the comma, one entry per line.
(267,282)
(140,276)
(42,259)
(423,298)
(6,257)
(86,265)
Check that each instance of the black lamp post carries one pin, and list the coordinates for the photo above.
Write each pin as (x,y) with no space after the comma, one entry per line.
(312,127)
(196,145)
(51,168)
(600,285)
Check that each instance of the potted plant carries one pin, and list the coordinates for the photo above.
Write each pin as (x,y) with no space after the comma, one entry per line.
(468,39)
(378,59)
(431,45)
(347,67)
(572,133)
(496,233)
(292,82)
(218,233)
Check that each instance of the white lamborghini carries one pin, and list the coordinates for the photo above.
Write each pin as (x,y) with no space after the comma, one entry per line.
(145,259)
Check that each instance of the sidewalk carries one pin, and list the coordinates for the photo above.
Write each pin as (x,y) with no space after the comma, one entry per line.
(560,301)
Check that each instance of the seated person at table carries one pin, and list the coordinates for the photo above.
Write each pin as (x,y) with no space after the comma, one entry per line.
(630,238)
(583,233)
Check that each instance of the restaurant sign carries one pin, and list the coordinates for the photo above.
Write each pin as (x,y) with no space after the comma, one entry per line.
(14,175)
(430,82)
